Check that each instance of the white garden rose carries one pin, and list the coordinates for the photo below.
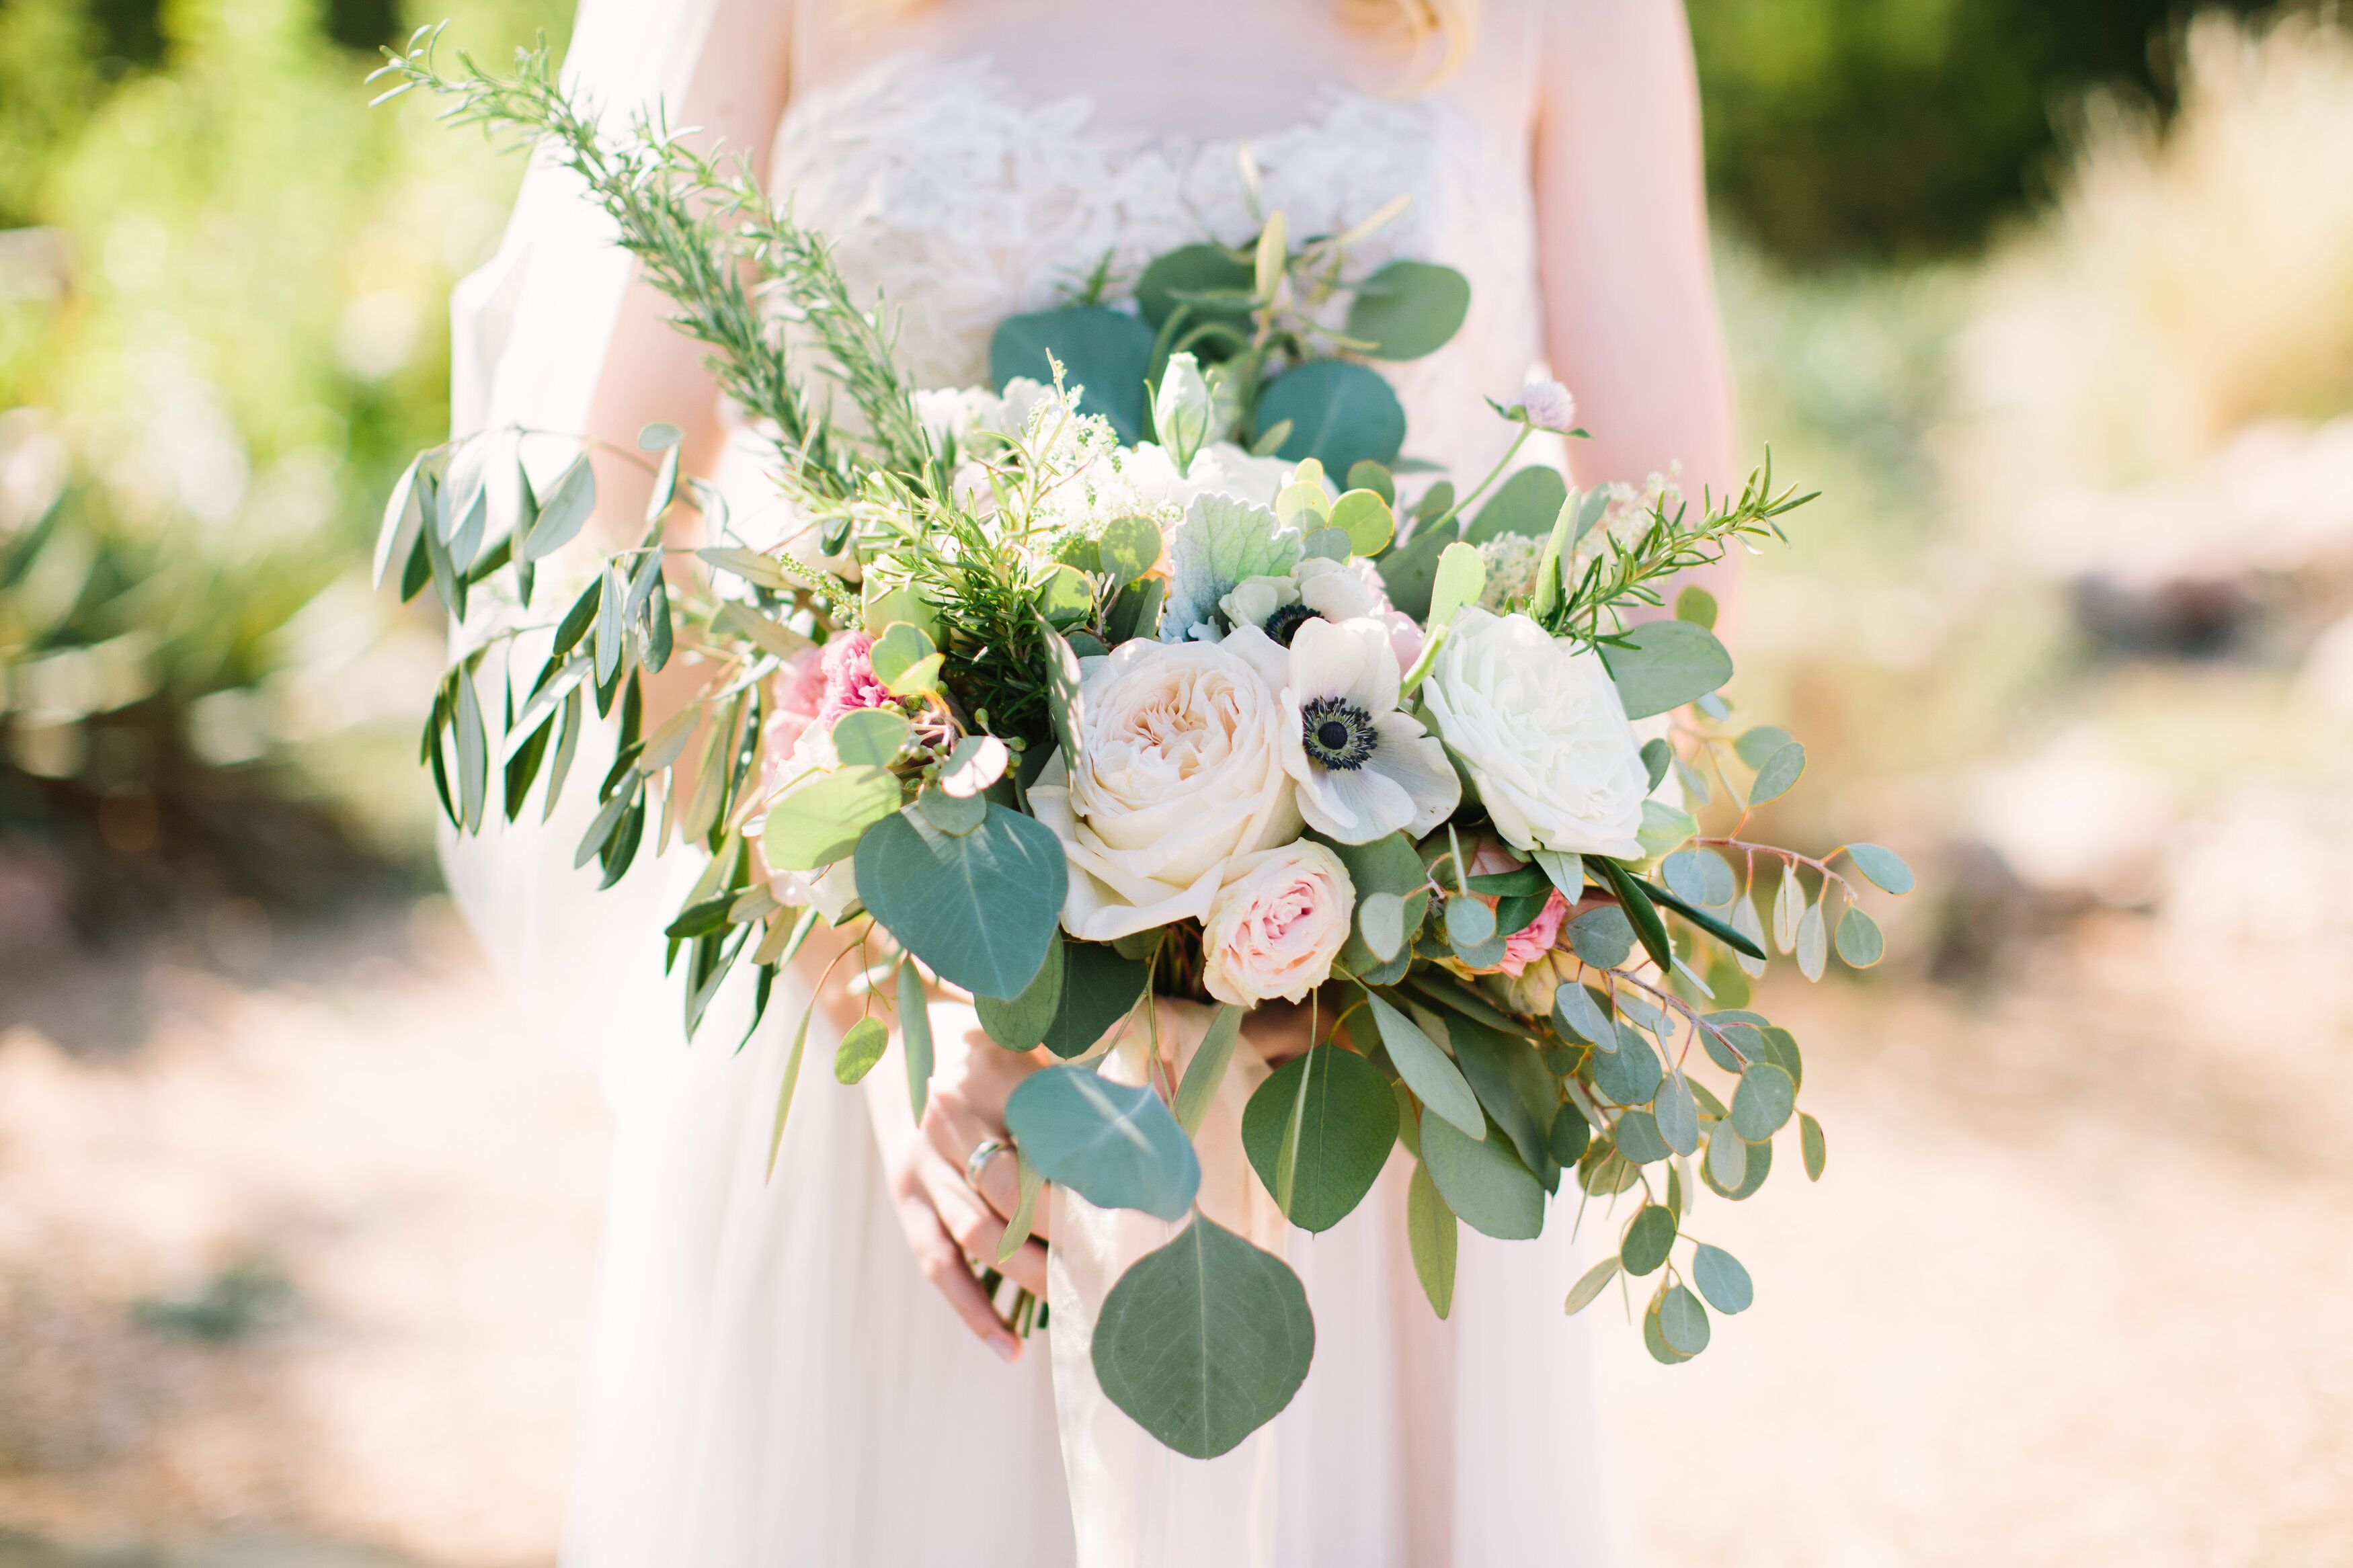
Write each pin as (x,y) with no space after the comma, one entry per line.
(1277,924)
(1538,725)
(1179,774)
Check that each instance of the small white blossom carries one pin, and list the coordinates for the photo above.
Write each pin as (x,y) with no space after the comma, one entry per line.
(1546,404)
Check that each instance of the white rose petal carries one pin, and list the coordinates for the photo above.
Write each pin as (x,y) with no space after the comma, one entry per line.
(1539,725)
(1277,924)
(1180,773)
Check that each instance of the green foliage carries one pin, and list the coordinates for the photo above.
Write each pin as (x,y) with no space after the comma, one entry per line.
(1204,1340)
(1114,1145)
(1903,127)
(1318,1132)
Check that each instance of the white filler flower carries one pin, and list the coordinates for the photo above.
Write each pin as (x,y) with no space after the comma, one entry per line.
(1180,773)
(1277,925)
(1365,768)
(1538,723)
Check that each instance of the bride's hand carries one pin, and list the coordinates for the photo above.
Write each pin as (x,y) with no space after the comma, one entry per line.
(945,1219)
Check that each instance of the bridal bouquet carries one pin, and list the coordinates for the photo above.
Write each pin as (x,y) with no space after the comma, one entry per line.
(1138,675)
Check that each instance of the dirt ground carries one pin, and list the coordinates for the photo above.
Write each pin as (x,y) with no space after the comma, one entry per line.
(295,1230)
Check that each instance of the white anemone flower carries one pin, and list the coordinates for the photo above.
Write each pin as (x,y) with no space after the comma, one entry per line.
(1313,590)
(1364,767)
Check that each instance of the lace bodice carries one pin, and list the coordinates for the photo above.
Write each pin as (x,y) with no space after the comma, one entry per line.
(963,202)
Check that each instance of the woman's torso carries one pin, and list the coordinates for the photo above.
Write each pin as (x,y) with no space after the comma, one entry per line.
(973,159)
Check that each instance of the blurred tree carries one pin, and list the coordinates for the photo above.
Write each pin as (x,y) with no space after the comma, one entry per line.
(1898,127)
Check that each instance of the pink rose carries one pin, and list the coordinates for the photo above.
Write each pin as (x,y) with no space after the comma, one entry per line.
(799,697)
(850,682)
(1275,926)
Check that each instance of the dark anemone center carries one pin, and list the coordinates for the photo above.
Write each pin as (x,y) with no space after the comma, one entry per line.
(1337,733)
(1285,623)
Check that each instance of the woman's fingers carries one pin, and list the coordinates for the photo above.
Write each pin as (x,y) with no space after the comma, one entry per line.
(976,1229)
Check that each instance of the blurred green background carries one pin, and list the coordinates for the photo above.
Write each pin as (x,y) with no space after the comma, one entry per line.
(2053,299)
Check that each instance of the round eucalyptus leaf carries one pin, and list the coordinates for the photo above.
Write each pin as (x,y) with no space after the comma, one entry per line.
(1129,548)
(1569,1134)
(1581,1017)
(1409,308)
(1603,937)
(1629,1075)
(1763,1102)
(1469,922)
(1696,603)
(1758,1158)
(1722,1280)
(1649,1237)
(1682,1321)
(1884,867)
(1654,1338)
(822,820)
(980,908)
(1332,1112)
(1108,353)
(1677,1114)
(1528,504)
(1777,1046)
(1780,771)
(1483,1182)
(1114,1145)
(1204,1340)
(1637,1135)
(1860,941)
(1756,745)
(1700,877)
(953,814)
(1380,921)
(870,737)
(860,1048)
(660,437)
(1340,412)
(1020,1024)
(1726,1164)
(1065,596)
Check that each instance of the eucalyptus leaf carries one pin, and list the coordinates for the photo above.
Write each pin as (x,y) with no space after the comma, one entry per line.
(1580,1016)
(1700,877)
(1364,516)
(1129,548)
(1114,1145)
(1722,1280)
(1757,744)
(978,908)
(1666,663)
(860,1050)
(1429,1071)
(1204,1340)
(1811,1144)
(1602,937)
(1763,1102)
(1107,352)
(1409,308)
(1631,1074)
(1020,1024)
(1469,923)
(1329,1117)
(1813,945)
(870,737)
(1649,1237)
(1430,1232)
(1860,941)
(1207,1069)
(1590,1284)
(1528,503)
(1340,412)
(1726,1162)
(1881,866)
(1678,1114)
(822,820)
(568,505)
(1099,986)
(915,1033)
(1483,1182)
(1696,604)
(1636,1134)
(1682,1321)
(1779,774)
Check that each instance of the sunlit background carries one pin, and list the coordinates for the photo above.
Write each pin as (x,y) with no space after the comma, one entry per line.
(2053,297)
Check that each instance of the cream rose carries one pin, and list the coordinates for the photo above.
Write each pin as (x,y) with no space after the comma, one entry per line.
(1538,724)
(1179,774)
(1277,924)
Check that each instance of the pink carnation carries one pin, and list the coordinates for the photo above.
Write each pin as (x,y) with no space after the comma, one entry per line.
(1536,939)
(850,682)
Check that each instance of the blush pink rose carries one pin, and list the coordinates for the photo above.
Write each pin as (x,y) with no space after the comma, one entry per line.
(799,698)
(1275,926)
(850,682)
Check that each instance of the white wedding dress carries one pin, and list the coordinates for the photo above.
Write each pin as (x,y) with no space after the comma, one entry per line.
(772,1383)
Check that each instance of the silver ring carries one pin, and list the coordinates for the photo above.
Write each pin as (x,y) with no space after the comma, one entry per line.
(976,1162)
